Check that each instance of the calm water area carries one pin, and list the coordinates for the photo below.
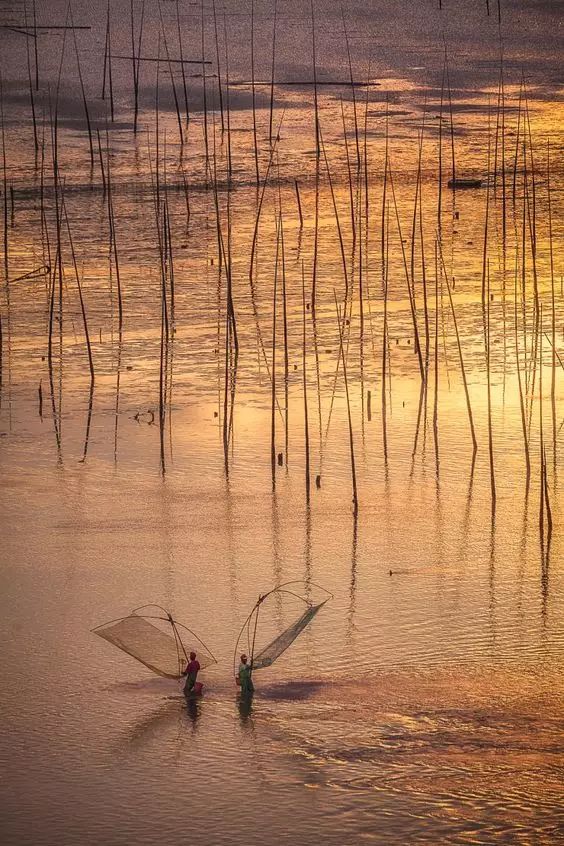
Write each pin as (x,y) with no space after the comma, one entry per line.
(425,702)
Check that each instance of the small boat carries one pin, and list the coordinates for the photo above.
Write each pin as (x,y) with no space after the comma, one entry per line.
(465,183)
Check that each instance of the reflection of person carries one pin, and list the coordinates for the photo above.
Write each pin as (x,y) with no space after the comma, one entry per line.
(191,673)
(244,677)
(245,704)
(193,704)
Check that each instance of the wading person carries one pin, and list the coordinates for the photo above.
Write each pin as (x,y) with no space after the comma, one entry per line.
(191,673)
(244,677)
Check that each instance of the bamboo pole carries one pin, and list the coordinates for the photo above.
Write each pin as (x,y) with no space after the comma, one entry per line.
(261,200)
(112,228)
(304,371)
(230,304)
(101,160)
(436,368)
(349,174)
(4,192)
(519,380)
(337,221)
(110,71)
(107,72)
(440,181)
(489,394)
(517,139)
(135,65)
(384,192)
(172,82)
(83,92)
(314,66)
(299,203)
(451,116)
(35,47)
(79,289)
(162,378)
(367,220)
(272,71)
(183,71)
(30,84)
(385,277)
(349,415)
(315,258)
(286,346)
(553,306)
(204,90)
(273,366)
(541,438)
(255,144)
(218,62)
(349,61)
(460,356)
(412,305)
(424,278)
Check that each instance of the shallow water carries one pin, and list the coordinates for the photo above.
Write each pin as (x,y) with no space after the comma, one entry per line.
(424,703)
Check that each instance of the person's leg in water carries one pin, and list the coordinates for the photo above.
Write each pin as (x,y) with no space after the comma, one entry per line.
(247,686)
(190,682)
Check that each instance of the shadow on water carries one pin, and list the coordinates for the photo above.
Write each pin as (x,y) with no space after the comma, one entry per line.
(166,687)
(291,691)
(152,726)
(175,713)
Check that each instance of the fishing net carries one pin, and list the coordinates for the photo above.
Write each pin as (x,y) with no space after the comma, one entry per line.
(161,651)
(275,648)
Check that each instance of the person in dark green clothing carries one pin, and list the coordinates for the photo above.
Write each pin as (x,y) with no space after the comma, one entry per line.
(244,677)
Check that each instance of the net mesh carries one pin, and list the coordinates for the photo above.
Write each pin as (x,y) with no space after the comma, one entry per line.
(148,643)
(275,648)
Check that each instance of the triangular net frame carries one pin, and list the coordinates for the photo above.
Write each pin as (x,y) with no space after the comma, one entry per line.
(155,640)
(268,654)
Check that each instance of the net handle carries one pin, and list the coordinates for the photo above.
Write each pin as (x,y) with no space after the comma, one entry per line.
(151,605)
(109,623)
(179,646)
(255,637)
(299,582)
(243,627)
(200,641)
(278,589)
(167,619)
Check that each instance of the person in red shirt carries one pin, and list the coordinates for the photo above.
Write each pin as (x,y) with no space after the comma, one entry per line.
(191,673)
